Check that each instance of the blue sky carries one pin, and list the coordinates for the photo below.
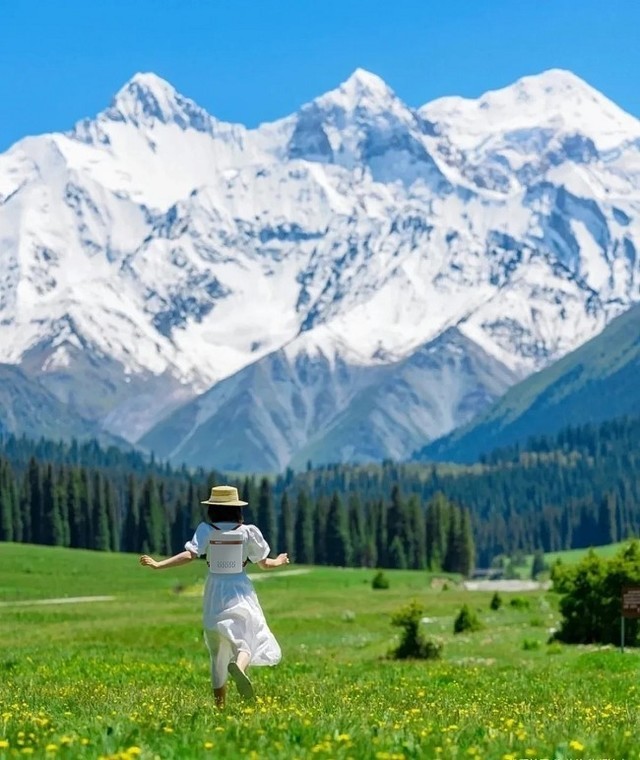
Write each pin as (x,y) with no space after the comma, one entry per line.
(256,60)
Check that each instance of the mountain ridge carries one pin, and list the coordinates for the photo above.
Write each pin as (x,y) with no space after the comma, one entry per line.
(179,250)
(593,384)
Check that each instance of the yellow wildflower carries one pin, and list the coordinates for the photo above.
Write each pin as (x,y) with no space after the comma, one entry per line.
(573,744)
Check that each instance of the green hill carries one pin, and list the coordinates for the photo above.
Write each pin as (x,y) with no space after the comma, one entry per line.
(597,382)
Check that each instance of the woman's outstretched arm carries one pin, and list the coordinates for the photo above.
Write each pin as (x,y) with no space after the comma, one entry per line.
(177,559)
(269,564)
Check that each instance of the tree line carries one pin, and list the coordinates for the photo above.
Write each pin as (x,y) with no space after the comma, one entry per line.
(91,508)
(578,488)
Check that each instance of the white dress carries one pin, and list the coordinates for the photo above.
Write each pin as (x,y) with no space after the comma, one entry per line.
(232,617)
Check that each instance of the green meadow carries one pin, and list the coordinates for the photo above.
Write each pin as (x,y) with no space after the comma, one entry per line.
(569,557)
(128,677)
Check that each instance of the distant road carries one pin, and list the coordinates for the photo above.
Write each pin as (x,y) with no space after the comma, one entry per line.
(504,585)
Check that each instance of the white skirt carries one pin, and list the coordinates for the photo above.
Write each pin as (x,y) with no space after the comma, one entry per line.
(234,622)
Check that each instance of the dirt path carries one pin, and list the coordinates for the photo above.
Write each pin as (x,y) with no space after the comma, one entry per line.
(87,599)
(278,574)
(61,600)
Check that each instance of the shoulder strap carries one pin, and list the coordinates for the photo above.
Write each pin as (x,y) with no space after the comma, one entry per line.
(235,527)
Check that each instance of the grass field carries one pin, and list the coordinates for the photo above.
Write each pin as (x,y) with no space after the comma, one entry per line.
(568,556)
(129,677)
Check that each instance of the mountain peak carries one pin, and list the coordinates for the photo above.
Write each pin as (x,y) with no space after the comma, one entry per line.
(148,80)
(556,98)
(147,98)
(366,81)
(361,89)
(552,82)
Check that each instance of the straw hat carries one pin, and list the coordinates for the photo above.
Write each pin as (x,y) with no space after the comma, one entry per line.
(225,496)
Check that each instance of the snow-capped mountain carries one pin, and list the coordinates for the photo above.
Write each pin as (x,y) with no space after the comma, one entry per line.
(154,253)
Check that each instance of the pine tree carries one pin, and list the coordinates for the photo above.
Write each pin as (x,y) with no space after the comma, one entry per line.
(266,515)
(417,534)
(467,546)
(286,528)
(74,508)
(320,530)
(131,528)
(24,500)
(86,522)
(397,519)
(6,502)
(437,522)
(18,527)
(101,539)
(369,551)
(538,566)
(397,554)
(113,515)
(249,494)
(151,518)
(188,514)
(453,554)
(607,524)
(35,507)
(63,506)
(304,531)
(52,532)
(357,531)
(338,544)
(381,533)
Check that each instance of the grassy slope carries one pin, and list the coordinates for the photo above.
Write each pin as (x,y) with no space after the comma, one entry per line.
(133,672)
(596,382)
(570,556)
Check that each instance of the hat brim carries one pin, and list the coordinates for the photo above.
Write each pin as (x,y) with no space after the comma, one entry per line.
(234,503)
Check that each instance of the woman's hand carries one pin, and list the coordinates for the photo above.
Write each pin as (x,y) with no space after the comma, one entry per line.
(282,559)
(148,561)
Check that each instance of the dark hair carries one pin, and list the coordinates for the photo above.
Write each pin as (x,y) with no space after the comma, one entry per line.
(225,513)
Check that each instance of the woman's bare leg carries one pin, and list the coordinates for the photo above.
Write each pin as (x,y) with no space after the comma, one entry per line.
(242,660)
(220,696)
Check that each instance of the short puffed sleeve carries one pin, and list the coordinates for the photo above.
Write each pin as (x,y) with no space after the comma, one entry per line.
(257,547)
(199,542)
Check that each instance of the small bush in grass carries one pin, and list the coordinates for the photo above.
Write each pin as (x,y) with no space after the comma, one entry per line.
(554,648)
(536,622)
(413,643)
(530,645)
(519,603)
(496,601)
(467,620)
(380,580)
